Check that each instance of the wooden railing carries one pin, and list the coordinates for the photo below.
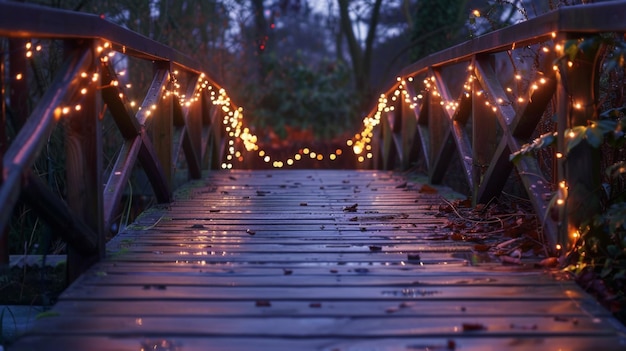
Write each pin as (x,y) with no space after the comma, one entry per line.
(484,99)
(181,115)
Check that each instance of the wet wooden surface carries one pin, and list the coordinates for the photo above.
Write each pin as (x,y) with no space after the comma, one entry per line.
(271,261)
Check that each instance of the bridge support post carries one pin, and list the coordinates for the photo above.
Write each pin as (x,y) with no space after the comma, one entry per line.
(4,232)
(83,147)
(163,130)
(484,136)
(580,168)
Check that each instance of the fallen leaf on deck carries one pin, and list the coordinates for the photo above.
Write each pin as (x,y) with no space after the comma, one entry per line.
(437,237)
(510,260)
(449,346)
(427,189)
(250,231)
(549,262)
(401,186)
(333,271)
(473,327)
(263,303)
(467,203)
(197,226)
(481,247)
(232,178)
(414,257)
(524,326)
(287,271)
(375,248)
(457,237)
(315,305)
(446,208)
(351,208)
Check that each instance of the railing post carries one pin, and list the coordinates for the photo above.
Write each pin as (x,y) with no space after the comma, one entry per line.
(4,235)
(163,130)
(484,133)
(83,147)
(577,98)
(410,146)
(218,143)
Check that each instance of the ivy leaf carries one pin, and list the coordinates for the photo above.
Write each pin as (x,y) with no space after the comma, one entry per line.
(613,250)
(611,65)
(571,49)
(607,269)
(541,142)
(594,135)
(613,113)
(616,169)
(589,45)
(606,125)
(576,135)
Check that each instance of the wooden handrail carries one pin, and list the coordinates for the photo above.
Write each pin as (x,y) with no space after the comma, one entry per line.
(449,119)
(85,88)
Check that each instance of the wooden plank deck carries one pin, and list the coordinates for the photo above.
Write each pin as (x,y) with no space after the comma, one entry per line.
(269,260)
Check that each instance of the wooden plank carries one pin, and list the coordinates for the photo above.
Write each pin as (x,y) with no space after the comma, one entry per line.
(320,292)
(305,277)
(310,327)
(564,310)
(189,276)
(466,343)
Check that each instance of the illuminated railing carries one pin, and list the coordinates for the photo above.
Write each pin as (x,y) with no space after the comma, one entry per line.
(178,121)
(483,100)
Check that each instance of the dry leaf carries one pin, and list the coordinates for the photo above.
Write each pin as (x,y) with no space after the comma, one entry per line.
(375,248)
(414,257)
(391,310)
(263,303)
(481,247)
(427,189)
(351,208)
(457,236)
(250,231)
(549,262)
(473,327)
(510,260)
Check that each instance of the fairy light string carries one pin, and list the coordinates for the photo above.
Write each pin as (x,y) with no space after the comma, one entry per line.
(241,139)
(242,142)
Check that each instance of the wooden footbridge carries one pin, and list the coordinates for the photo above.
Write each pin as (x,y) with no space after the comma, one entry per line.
(301,259)
(312,260)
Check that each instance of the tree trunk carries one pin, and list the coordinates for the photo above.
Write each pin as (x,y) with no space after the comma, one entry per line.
(361,58)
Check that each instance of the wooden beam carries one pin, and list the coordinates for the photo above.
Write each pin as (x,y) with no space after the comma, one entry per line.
(4,232)
(30,140)
(83,168)
(64,222)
